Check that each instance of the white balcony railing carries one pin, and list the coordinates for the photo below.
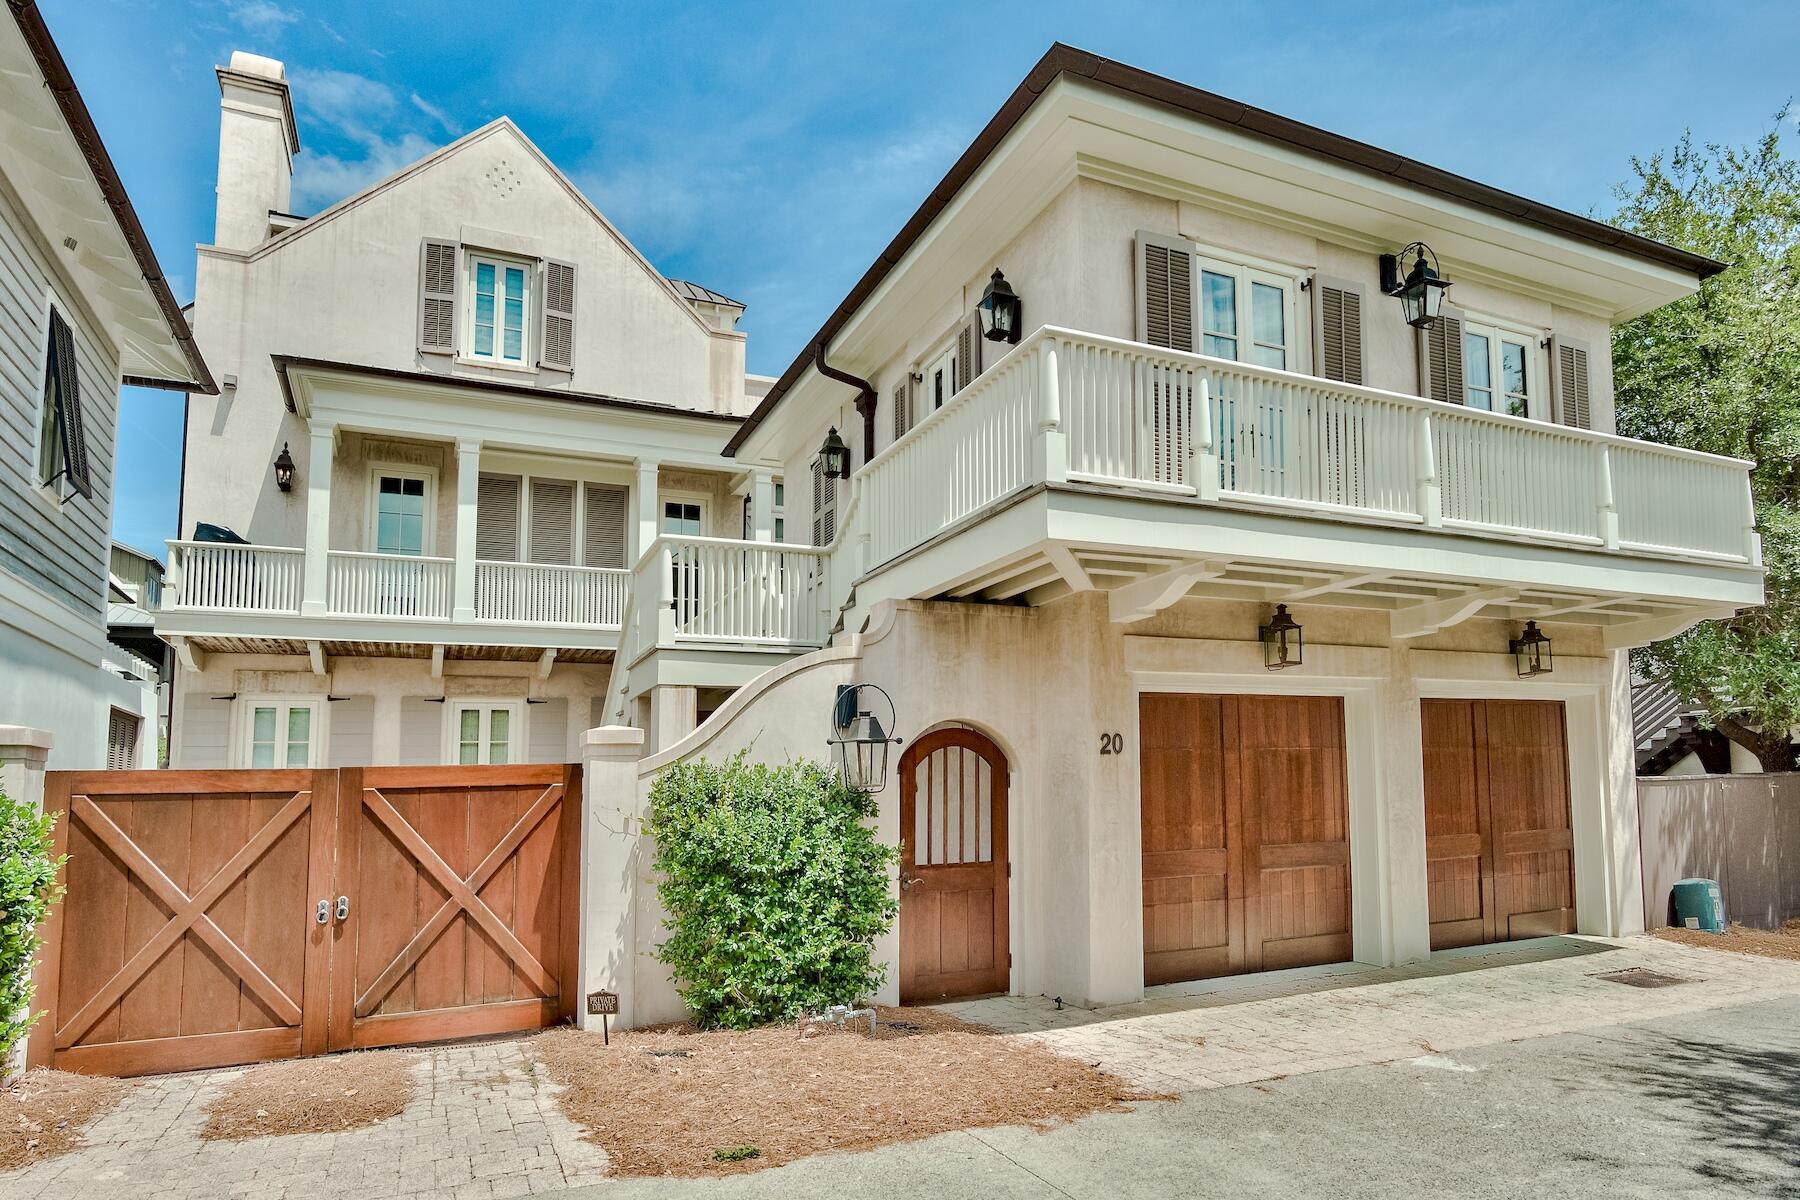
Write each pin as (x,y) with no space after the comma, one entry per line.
(722,590)
(544,594)
(234,578)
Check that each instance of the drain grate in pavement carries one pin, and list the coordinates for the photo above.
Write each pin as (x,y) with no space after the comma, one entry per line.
(1642,977)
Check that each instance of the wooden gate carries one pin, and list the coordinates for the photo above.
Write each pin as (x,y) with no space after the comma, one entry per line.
(220,917)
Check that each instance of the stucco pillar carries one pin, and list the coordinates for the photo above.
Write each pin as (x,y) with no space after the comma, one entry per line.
(468,483)
(23,753)
(644,498)
(611,868)
(762,504)
(1625,867)
(673,715)
(1401,815)
(318,519)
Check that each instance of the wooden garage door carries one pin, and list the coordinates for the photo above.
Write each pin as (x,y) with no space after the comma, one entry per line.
(1498,846)
(1245,819)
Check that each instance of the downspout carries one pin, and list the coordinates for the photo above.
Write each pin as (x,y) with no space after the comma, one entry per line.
(865,399)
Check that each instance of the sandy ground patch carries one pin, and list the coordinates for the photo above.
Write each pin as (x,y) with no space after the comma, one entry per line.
(681,1102)
(312,1095)
(1770,943)
(43,1114)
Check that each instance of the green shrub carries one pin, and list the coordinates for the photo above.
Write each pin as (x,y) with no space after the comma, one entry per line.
(774,887)
(28,888)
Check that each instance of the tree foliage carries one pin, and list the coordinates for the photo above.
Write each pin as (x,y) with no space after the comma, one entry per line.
(774,889)
(28,887)
(1720,371)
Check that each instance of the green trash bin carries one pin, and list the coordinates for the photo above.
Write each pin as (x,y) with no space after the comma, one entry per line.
(1698,904)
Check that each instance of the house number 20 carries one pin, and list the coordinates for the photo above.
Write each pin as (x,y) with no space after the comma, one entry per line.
(1112,743)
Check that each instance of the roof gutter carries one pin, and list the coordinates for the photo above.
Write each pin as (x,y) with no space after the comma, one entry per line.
(865,397)
(81,126)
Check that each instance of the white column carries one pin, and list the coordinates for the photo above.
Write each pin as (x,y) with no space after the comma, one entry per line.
(1050,450)
(468,480)
(1399,811)
(762,504)
(674,714)
(23,754)
(612,820)
(318,518)
(649,515)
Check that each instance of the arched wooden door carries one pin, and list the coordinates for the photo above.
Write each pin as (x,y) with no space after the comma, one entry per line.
(953,868)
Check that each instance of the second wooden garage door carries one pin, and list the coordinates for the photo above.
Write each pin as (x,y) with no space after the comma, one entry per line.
(1246,843)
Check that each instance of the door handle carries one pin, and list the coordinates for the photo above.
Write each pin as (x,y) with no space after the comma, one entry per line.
(343,907)
(324,912)
(907,881)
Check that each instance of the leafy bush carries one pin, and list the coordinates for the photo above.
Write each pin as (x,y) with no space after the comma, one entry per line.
(774,886)
(28,888)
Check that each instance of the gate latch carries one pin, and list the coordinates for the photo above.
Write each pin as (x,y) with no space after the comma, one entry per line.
(324,913)
(343,907)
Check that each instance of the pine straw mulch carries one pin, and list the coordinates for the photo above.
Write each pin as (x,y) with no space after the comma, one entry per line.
(42,1115)
(311,1095)
(676,1101)
(1769,943)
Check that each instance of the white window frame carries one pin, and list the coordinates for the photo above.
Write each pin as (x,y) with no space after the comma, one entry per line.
(515,729)
(244,717)
(1537,363)
(943,358)
(699,499)
(401,471)
(1247,272)
(527,346)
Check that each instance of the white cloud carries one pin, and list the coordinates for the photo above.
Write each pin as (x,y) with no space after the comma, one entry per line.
(433,111)
(264,18)
(321,180)
(364,112)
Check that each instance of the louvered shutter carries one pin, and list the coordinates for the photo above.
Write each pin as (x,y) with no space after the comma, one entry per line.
(552,521)
(437,297)
(64,391)
(824,518)
(559,316)
(1337,329)
(1441,344)
(603,525)
(969,345)
(1165,299)
(1569,383)
(902,412)
(121,741)
(497,518)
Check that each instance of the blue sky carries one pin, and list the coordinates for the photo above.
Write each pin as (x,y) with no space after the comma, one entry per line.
(770,150)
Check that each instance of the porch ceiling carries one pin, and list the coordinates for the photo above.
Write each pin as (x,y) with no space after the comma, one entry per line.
(216,644)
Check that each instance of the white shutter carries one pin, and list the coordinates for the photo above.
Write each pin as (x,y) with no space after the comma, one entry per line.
(559,316)
(421,731)
(1570,382)
(602,525)
(1165,291)
(547,725)
(1441,357)
(437,297)
(352,741)
(552,521)
(497,518)
(1337,329)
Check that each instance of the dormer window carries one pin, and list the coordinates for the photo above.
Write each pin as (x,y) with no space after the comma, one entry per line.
(499,309)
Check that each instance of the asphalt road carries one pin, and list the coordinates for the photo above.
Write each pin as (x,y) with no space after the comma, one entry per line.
(1707,1104)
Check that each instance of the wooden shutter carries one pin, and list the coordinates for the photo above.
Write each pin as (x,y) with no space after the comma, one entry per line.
(824,490)
(1441,357)
(969,345)
(437,297)
(559,316)
(497,518)
(602,525)
(1569,382)
(1337,329)
(552,521)
(902,410)
(63,390)
(121,741)
(1165,293)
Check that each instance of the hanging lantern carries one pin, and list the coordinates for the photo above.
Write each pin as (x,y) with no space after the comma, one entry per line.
(859,741)
(1531,650)
(1421,293)
(834,455)
(284,469)
(1281,640)
(1000,310)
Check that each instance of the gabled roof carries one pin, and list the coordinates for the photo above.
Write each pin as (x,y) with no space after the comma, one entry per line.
(1062,60)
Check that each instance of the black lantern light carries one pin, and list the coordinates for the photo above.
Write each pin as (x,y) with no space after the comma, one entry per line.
(1531,650)
(859,741)
(1281,640)
(284,469)
(1422,291)
(834,455)
(1000,310)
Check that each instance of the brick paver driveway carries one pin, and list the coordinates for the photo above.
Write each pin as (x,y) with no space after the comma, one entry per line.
(485,1124)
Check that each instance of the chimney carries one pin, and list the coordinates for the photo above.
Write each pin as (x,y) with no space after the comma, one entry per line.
(257,144)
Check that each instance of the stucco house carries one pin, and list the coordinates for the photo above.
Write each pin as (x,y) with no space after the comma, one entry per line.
(1232,511)
(84,308)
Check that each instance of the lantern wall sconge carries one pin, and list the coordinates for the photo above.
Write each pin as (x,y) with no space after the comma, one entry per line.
(834,455)
(1001,311)
(1531,650)
(859,740)
(284,469)
(1421,293)
(1282,641)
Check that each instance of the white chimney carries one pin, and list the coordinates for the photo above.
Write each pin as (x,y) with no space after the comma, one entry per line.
(257,144)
